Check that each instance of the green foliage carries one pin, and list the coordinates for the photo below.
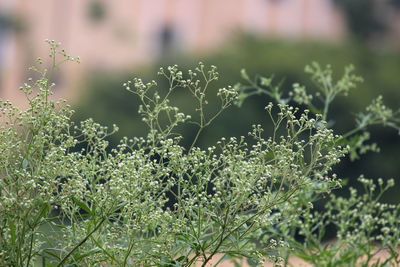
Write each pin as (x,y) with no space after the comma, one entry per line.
(68,199)
(363,18)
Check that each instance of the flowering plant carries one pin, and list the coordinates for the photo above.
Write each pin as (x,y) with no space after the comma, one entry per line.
(67,199)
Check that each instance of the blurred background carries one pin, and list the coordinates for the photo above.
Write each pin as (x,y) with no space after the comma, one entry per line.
(121,39)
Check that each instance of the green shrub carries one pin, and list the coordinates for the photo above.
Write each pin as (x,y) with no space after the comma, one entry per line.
(69,200)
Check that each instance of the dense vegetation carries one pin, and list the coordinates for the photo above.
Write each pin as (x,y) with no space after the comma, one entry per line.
(69,199)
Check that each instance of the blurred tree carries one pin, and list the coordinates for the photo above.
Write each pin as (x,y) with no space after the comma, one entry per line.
(96,10)
(11,22)
(366,19)
(361,17)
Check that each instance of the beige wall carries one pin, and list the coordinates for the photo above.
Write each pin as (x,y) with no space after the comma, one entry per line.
(130,32)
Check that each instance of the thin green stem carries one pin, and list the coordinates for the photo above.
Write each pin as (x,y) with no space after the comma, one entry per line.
(221,239)
(61,263)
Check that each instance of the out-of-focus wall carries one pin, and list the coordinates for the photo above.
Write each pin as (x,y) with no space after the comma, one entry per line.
(119,34)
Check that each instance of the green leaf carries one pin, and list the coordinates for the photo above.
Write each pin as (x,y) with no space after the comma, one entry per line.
(236,264)
(88,253)
(104,251)
(119,206)
(25,164)
(54,254)
(45,207)
(244,75)
(12,233)
(166,262)
(82,205)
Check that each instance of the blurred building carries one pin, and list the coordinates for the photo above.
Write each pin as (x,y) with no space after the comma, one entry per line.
(116,35)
